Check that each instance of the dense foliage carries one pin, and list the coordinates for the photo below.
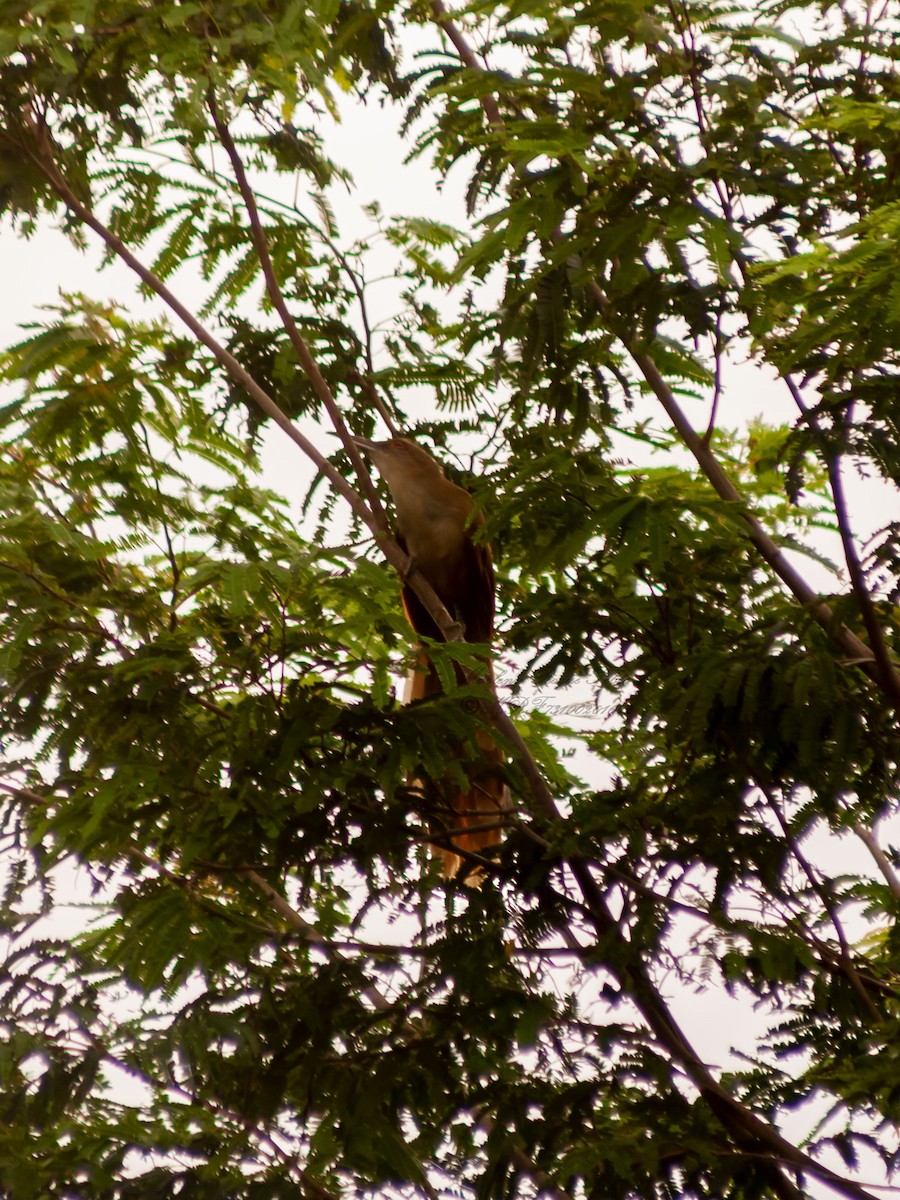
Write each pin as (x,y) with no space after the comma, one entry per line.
(275,993)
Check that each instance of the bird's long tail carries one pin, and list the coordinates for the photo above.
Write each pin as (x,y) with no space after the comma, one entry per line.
(473,818)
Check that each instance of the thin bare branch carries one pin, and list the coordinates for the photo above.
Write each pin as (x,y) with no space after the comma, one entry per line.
(467,57)
(856,650)
(718,353)
(867,837)
(309,932)
(889,673)
(273,288)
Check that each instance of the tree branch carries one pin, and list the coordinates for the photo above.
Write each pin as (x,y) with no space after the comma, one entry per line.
(845,958)
(868,838)
(858,653)
(307,362)
(467,57)
(889,673)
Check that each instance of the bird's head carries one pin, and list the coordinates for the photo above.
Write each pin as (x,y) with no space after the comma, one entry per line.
(400,460)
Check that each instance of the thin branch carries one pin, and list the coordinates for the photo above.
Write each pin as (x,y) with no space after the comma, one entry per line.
(844,959)
(467,57)
(854,648)
(867,837)
(689,47)
(846,955)
(310,934)
(357,280)
(358,283)
(863,598)
(273,288)
(889,673)
(717,380)
(170,549)
(890,676)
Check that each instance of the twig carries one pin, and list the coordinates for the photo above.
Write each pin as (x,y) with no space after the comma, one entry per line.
(273,288)
(170,549)
(717,381)
(845,957)
(289,914)
(890,675)
(467,56)
(867,837)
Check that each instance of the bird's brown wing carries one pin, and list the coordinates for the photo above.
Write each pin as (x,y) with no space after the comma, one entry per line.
(467,593)
(474,606)
(471,817)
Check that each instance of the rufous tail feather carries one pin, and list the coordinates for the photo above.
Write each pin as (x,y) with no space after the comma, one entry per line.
(474,820)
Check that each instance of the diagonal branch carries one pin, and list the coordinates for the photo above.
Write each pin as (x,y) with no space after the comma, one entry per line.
(868,838)
(42,157)
(273,288)
(890,676)
(856,650)
(467,56)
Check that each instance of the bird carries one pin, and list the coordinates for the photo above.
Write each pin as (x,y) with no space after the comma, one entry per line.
(435,524)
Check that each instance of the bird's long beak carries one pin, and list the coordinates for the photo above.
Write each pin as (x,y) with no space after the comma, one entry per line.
(364,444)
